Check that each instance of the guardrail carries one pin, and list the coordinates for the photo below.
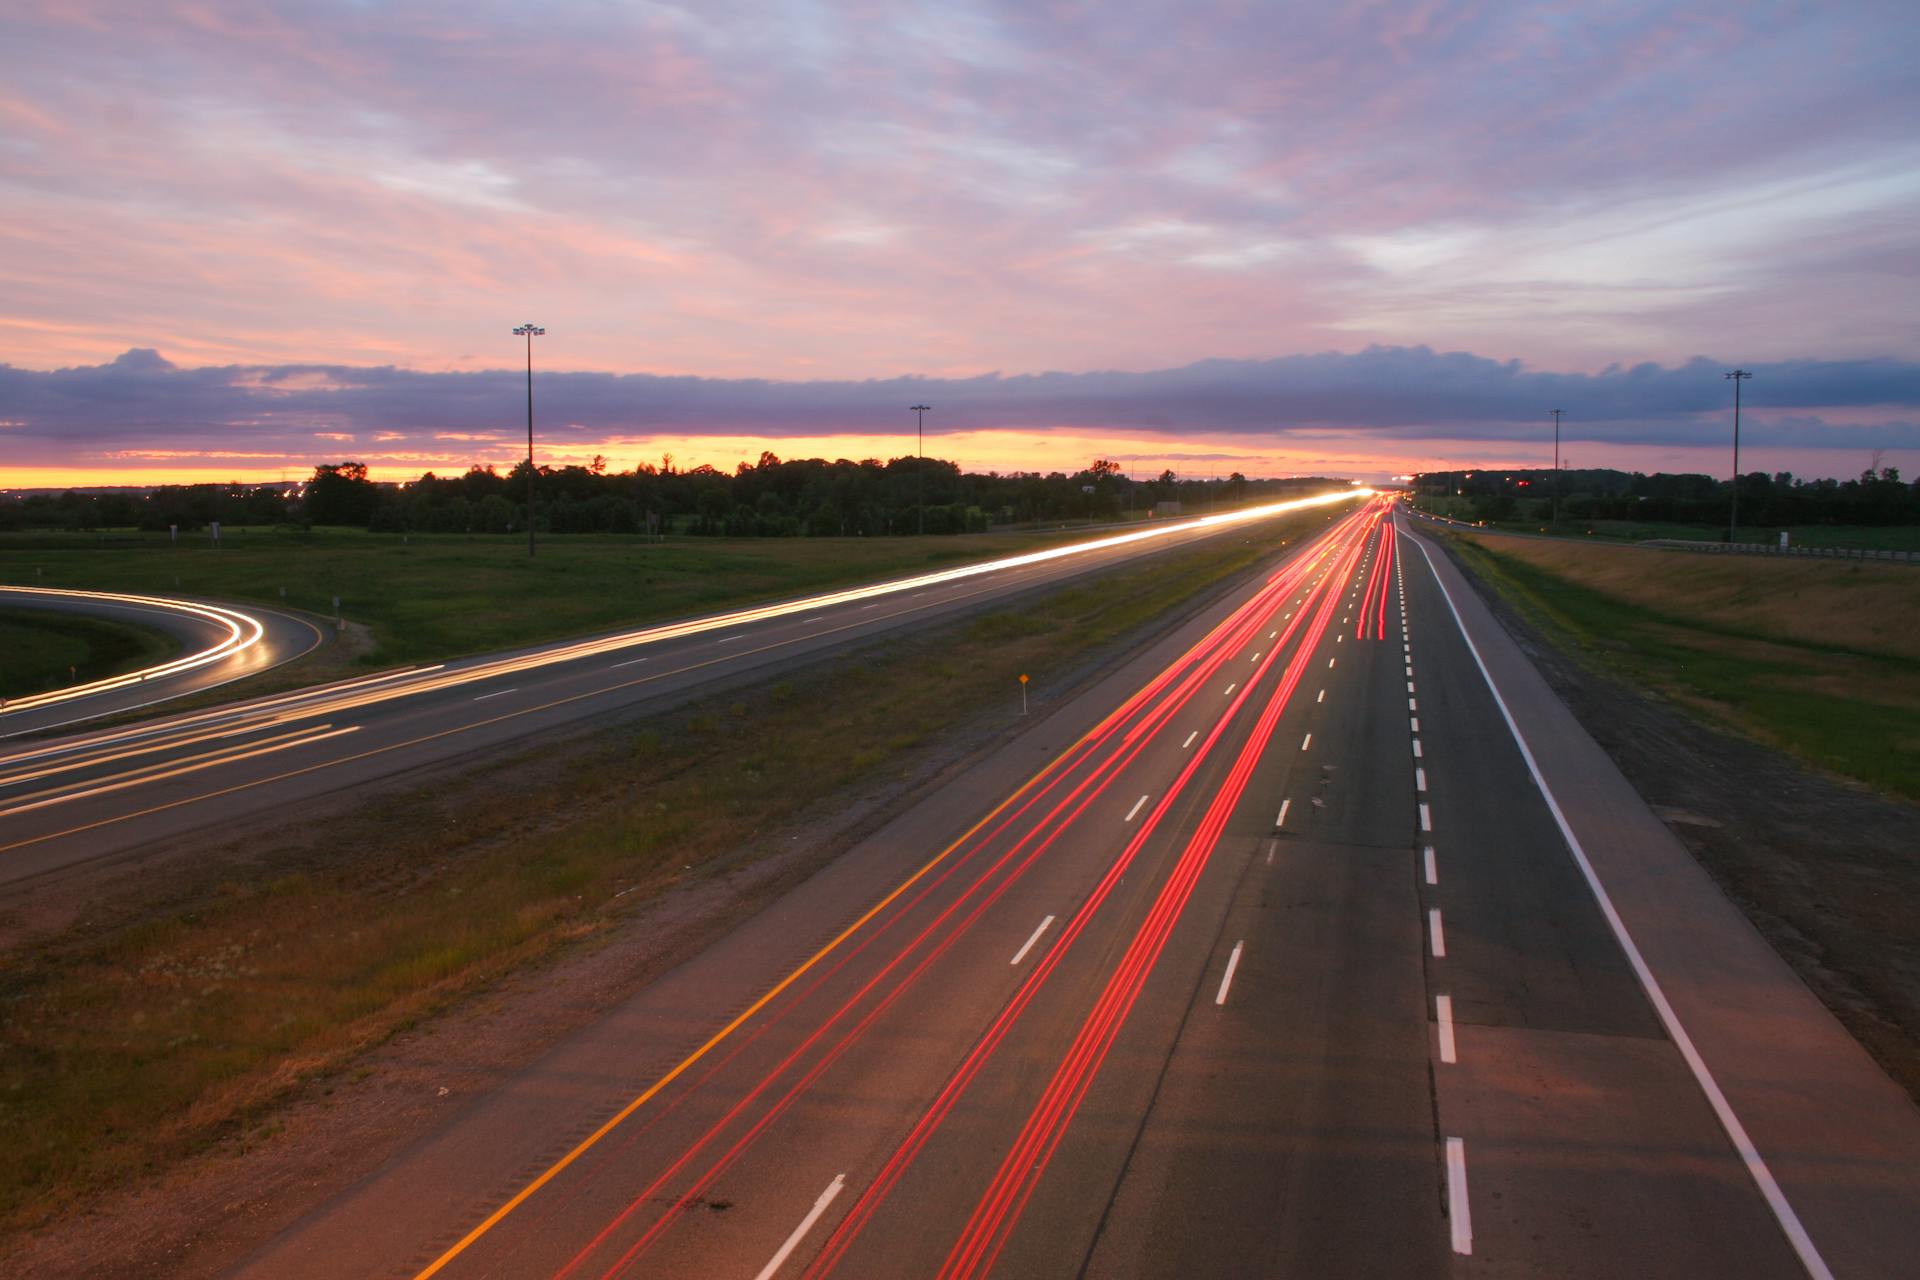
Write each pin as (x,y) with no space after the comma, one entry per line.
(1766,549)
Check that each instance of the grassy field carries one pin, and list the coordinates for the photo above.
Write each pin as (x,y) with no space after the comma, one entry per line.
(1820,658)
(1865,537)
(157,1030)
(41,650)
(428,597)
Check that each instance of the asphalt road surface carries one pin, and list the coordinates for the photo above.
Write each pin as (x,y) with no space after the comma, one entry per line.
(1316,940)
(219,643)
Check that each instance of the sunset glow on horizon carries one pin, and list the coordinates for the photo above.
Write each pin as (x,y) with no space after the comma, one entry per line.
(1278,238)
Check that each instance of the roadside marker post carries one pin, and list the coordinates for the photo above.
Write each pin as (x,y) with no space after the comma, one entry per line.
(1023,693)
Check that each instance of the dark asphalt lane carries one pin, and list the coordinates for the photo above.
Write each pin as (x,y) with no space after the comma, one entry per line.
(1073,1047)
(197,626)
(73,801)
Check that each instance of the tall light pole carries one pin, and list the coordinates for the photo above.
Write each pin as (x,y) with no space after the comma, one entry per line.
(529,332)
(1733,516)
(920,469)
(1556,463)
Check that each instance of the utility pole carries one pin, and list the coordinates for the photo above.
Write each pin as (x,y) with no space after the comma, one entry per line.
(529,332)
(920,461)
(1733,517)
(1556,464)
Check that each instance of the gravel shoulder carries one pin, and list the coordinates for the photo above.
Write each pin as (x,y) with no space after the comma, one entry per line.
(1826,869)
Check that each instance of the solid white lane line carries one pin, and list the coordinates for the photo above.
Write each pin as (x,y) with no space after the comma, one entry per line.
(1443,1016)
(1763,1178)
(1457,1212)
(497,693)
(1426,819)
(1281,821)
(1306,742)
(728,639)
(1136,808)
(806,1225)
(1419,779)
(1190,738)
(1433,871)
(1322,697)
(1436,933)
(1231,688)
(1416,749)
(1021,954)
(630,662)
(1226,980)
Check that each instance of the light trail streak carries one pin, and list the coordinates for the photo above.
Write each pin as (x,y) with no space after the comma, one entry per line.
(909,1149)
(1020,1172)
(336,700)
(1203,659)
(243,631)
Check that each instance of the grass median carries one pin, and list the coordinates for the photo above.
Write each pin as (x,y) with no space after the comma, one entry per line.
(41,650)
(150,1034)
(1819,658)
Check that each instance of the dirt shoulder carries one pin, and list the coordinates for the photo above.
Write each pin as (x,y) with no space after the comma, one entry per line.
(1827,870)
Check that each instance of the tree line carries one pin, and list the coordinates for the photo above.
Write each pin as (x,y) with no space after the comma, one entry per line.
(772,497)
(1878,496)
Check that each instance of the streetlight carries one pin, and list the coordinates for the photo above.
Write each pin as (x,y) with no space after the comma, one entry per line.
(1733,515)
(1556,463)
(529,332)
(920,468)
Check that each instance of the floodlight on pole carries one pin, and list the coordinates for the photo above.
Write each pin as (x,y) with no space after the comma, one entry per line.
(1556,463)
(920,457)
(529,332)
(1738,376)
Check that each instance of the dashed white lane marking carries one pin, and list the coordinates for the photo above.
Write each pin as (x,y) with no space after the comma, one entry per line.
(1342,636)
(1409,686)
(1281,821)
(1412,705)
(1457,1212)
(1136,808)
(1226,979)
(1416,749)
(1330,661)
(1231,688)
(1254,658)
(1783,1211)
(1426,818)
(1271,846)
(1433,870)
(728,639)
(1443,1017)
(1027,946)
(1436,934)
(628,663)
(1190,738)
(1409,669)
(1414,723)
(497,693)
(1306,742)
(1322,697)
(1419,779)
(806,1225)
(1273,635)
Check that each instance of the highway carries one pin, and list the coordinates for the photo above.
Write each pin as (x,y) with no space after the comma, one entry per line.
(219,644)
(1316,939)
(78,800)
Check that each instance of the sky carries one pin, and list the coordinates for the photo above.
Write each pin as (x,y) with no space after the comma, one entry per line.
(1366,239)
